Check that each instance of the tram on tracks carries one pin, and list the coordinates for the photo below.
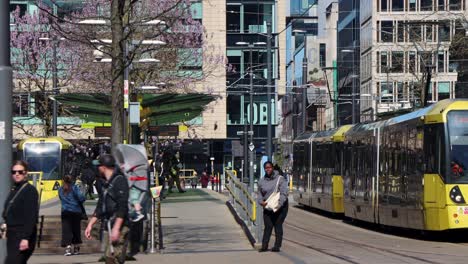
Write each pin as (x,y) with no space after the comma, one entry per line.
(45,157)
(410,171)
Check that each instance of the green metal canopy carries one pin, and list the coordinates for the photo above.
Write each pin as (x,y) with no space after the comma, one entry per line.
(160,109)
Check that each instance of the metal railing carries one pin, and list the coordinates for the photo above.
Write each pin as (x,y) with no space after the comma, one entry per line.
(245,204)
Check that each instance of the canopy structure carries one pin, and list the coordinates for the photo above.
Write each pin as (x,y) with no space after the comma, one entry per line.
(156,109)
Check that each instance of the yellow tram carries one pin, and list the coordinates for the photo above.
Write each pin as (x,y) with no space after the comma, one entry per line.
(45,157)
(409,171)
(317,175)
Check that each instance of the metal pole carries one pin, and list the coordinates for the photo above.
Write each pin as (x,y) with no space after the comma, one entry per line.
(353,90)
(6,86)
(54,87)
(126,95)
(304,84)
(269,81)
(251,120)
(246,153)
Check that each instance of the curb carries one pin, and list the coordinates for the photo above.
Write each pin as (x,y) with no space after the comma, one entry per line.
(242,224)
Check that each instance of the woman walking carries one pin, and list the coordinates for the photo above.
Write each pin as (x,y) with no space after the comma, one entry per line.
(20,214)
(72,200)
(270,184)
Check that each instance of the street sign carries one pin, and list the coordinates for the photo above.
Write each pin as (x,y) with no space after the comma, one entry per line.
(102,132)
(251,147)
(240,133)
(212,158)
(163,131)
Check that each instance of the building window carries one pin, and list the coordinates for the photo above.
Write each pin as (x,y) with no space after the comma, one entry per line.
(383,61)
(426,5)
(402,94)
(383,6)
(323,54)
(425,60)
(440,62)
(412,62)
(233,18)
(386,92)
(441,5)
(444,31)
(443,89)
(397,5)
(415,33)
(387,31)
(256,17)
(412,5)
(429,34)
(397,61)
(401,31)
(452,65)
(455,5)
(20,105)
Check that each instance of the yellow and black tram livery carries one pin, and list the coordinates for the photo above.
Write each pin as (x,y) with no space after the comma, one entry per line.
(317,169)
(409,171)
(45,156)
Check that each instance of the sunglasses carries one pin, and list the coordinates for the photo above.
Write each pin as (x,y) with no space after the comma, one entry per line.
(17,171)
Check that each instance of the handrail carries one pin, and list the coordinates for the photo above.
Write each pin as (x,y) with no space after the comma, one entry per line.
(253,214)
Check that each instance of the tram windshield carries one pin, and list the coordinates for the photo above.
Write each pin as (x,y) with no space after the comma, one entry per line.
(458,147)
(43,157)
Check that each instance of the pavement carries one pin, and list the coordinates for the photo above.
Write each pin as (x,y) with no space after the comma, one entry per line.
(197,227)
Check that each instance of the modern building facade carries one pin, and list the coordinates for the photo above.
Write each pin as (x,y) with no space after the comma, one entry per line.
(348,61)
(246,50)
(401,40)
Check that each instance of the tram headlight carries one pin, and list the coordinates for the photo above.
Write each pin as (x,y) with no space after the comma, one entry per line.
(456,196)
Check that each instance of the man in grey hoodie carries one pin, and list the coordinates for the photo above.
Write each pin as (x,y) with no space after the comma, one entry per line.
(266,187)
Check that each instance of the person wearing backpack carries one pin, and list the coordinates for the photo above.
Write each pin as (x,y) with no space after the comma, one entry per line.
(112,209)
(72,200)
(21,210)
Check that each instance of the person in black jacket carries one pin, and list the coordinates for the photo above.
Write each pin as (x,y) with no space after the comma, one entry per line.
(20,213)
(112,208)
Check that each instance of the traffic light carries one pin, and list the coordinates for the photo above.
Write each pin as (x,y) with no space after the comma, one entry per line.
(206,148)
(262,147)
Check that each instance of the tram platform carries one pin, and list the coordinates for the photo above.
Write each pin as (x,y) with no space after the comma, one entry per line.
(197,227)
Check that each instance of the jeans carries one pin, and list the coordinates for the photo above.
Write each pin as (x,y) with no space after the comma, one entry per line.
(274,220)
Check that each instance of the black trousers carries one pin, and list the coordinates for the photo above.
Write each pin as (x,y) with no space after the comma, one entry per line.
(71,228)
(136,237)
(274,220)
(14,255)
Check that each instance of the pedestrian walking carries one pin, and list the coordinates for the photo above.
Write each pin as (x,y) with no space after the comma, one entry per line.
(204,180)
(112,209)
(20,213)
(72,203)
(274,211)
(88,177)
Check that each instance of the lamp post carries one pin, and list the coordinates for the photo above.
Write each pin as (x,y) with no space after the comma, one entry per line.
(251,146)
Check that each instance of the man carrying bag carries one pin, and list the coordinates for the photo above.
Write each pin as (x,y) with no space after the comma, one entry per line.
(112,209)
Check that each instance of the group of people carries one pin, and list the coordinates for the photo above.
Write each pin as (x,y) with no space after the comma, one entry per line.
(21,211)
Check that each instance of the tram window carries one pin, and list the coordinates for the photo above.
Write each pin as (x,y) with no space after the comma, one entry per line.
(458,146)
(433,149)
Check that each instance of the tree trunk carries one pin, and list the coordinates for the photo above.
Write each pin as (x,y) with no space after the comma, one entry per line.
(117,12)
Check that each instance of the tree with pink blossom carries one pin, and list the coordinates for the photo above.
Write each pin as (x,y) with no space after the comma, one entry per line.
(126,32)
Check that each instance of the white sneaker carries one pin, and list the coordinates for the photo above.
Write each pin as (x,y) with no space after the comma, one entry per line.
(68,251)
(138,217)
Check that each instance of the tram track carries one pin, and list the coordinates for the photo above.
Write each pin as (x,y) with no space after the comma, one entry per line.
(322,251)
(354,244)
